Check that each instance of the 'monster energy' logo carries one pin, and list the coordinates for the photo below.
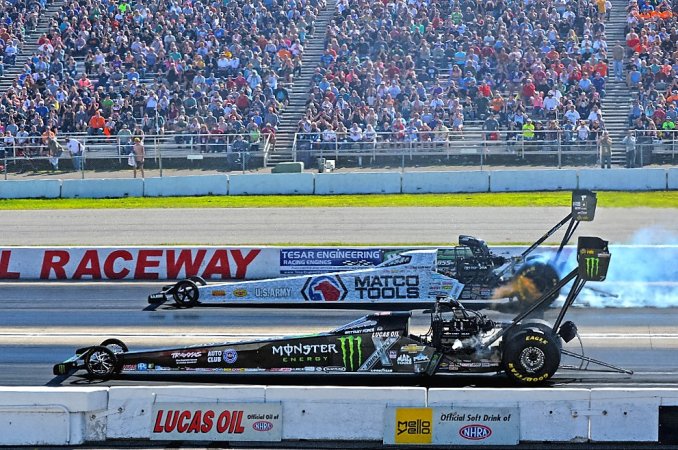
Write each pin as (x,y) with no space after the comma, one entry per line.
(324,289)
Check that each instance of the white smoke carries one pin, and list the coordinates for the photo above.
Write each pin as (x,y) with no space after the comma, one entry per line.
(641,274)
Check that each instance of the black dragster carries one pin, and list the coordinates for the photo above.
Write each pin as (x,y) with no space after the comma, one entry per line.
(459,340)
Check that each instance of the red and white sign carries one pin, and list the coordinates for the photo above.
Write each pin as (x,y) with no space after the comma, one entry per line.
(138,263)
(217,421)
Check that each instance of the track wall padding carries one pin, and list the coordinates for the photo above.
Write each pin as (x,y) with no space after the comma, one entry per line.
(532,180)
(49,416)
(622,179)
(30,189)
(445,182)
(358,183)
(271,184)
(189,185)
(347,413)
(103,188)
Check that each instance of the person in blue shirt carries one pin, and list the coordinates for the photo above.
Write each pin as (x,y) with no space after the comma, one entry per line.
(599,83)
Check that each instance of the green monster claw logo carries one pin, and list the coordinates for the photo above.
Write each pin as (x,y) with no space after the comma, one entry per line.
(353,343)
(592,267)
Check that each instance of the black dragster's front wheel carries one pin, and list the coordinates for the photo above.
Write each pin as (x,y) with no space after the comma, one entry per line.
(186,293)
(531,356)
(101,363)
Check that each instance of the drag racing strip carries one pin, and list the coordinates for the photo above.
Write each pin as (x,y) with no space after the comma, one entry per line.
(64,336)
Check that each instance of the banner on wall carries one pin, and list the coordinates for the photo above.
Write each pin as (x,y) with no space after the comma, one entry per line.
(134,263)
(482,425)
(217,422)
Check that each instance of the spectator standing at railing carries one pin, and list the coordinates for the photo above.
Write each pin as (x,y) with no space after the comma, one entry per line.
(629,142)
(605,145)
(77,151)
(139,156)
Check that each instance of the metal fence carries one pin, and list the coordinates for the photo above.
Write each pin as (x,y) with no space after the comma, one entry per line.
(549,147)
(112,153)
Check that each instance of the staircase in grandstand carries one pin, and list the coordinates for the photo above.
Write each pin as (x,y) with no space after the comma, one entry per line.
(298,93)
(618,98)
(30,45)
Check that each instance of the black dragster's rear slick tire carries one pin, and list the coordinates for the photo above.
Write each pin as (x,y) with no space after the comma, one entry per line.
(198,280)
(186,293)
(543,277)
(531,357)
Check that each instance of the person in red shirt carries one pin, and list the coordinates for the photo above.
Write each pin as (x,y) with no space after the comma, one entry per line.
(528,89)
(242,102)
(601,68)
(484,90)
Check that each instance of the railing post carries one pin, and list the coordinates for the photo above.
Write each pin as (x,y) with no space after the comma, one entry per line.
(560,150)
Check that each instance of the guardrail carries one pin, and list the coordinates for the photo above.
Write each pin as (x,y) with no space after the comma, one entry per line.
(97,414)
(232,151)
(480,146)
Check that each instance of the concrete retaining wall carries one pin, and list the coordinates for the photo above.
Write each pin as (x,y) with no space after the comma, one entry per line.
(190,185)
(271,184)
(358,183)
(445,182)
(71,416)
(622,179)
(350,183)
(672,179)
(532,180)
(30,189)
(103,188)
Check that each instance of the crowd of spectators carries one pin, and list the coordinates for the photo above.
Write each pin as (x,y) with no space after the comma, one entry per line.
(652,64)
(420,70)
(113,67)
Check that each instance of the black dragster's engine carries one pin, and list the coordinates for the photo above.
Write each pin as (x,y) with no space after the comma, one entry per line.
(455,329)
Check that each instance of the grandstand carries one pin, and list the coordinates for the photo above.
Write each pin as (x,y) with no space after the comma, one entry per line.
(288,79)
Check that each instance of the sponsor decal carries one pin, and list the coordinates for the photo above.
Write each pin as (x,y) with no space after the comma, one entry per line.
(359,331)
(334,369)
(412,348)
(421,358)
(324,288)
(187,357)
(387,287)
(218,293)
(319,260)
(351,351)
(404,360)
(385,334)
(262,425)
(475,432)
(142,367)
(279,292)
(240,293)
(413,425)
(592,266)
(297,353)
(214,356)
(230,356)
(392,354)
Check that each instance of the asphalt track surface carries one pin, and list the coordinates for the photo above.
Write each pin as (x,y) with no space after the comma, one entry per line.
(265,226)
(42,324)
